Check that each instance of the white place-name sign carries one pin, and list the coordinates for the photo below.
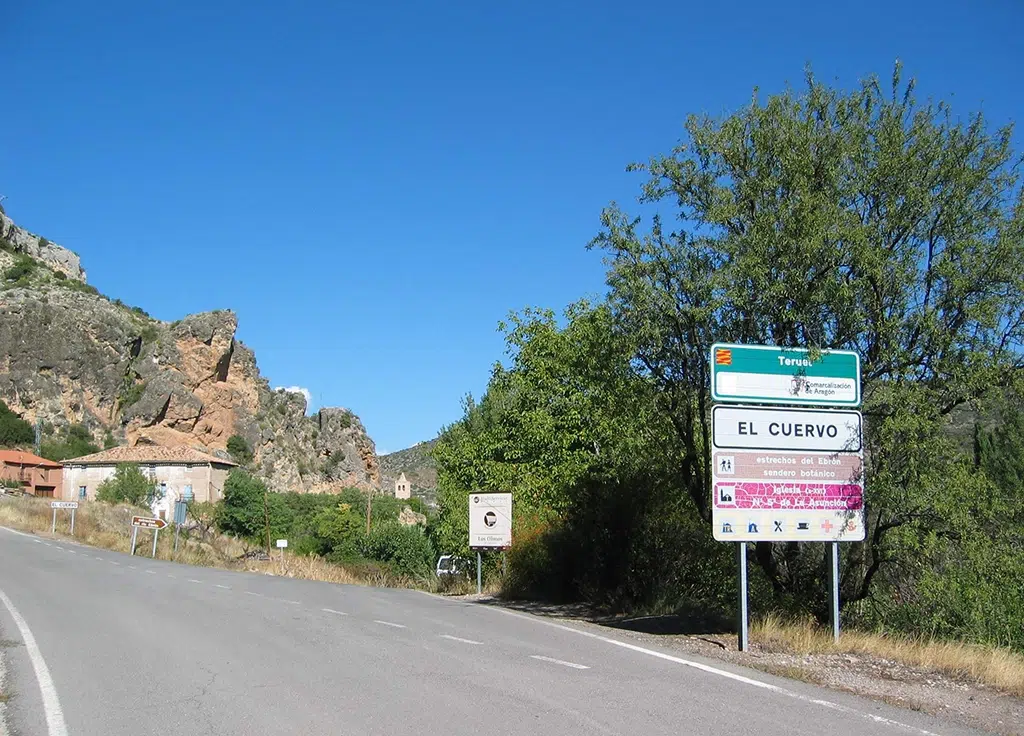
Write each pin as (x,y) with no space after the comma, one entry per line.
(815,430)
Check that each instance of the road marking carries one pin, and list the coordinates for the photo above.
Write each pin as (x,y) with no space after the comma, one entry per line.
(294,603)
(113,563)
(388,623)
(51,703)
(249,592)
(100,558)
(560,661)
(172,576)
(331,610)
(225,587)
(47,544)
(193,580)
(722,673)
(133,567)
(72,552)
(459,638)
(151,572)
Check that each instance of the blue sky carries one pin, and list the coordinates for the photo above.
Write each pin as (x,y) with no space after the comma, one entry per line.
(372,186)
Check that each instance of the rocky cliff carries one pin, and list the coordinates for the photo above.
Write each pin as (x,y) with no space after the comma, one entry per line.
(69,355)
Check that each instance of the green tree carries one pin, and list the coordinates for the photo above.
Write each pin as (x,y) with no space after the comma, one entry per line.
(73,441)
(249,510)
(14,431)
(406,549)
(239,449)
(128,485)
(340,529)
(858,220)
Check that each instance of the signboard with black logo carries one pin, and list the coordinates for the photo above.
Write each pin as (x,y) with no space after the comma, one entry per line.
(490,520)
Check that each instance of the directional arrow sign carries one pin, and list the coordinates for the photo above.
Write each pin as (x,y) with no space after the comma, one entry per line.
(145,522)
(772,375)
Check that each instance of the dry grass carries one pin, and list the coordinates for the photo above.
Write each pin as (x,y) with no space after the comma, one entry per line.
(108,527)
(995,666)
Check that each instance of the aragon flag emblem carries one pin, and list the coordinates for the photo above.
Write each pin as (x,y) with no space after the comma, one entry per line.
(723,356)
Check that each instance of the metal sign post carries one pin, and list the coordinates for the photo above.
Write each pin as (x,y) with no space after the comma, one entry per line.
(282,544)
(743,627)
(479,575)
(53,524)
(73,510)
(156,533)
(833,570)
(135,534)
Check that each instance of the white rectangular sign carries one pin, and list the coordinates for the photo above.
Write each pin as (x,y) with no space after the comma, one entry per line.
(282,543)
(63,504)
(490,520)
(807,430)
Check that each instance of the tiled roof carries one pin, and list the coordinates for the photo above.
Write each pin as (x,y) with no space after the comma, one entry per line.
(17,457)
(148,455)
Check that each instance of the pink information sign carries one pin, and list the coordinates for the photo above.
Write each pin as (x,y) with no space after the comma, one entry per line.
(789,496)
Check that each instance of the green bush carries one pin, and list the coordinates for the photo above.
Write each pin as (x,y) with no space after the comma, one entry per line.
(14,430)
(148,334)
(249,506)
(406,549)
(60,275)
(22,269)
(130,395)
(239,449)
(73,441)
(128,485)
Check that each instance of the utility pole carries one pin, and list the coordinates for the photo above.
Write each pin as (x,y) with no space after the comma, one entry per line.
(266,518)
(369,509)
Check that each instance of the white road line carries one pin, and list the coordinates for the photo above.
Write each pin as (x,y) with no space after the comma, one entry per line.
(133,567)
(721,673)
(225,587)
(72,551)
(388,623)
(113,563)
(193,580)
(459,638)
(151,572)
(560,661)
(100,558)
(258,595)
(294,603)
(47,544)
(331,610)
(172,576)
(51,703)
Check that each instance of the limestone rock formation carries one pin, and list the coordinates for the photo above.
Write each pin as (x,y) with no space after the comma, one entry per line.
(70,355)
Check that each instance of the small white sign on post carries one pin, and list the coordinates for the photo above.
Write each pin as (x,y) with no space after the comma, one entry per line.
(72,505)
(282,543)
(490,520)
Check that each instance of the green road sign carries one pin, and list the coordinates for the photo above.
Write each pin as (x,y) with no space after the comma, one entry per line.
(773,375)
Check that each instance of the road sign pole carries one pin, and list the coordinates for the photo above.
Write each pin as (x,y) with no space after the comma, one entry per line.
(73,522)
(53,524)
(177,530)
(743,623)
(135,534)
(833,575)
(156,533)
(479,576)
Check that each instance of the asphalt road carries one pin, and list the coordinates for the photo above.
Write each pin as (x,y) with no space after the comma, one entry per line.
(136,646)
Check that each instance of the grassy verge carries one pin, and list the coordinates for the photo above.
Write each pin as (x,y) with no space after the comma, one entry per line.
(108,527)
(994,666)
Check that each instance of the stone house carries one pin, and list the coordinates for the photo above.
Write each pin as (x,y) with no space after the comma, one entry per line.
(37,475)
(180,472)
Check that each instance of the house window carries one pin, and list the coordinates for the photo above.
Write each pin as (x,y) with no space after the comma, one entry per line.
(163,490)
(188,493)
(82,491)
